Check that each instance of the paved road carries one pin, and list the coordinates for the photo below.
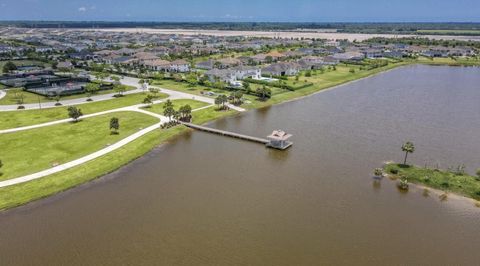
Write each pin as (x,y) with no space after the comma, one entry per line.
(94,155)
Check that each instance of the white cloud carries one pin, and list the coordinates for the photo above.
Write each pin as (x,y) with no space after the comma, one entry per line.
(82,9)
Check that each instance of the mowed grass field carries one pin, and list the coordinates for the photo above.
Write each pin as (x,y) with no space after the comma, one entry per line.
(13,119)
(34,150)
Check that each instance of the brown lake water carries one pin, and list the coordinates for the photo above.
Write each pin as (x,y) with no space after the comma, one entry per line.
(210,200)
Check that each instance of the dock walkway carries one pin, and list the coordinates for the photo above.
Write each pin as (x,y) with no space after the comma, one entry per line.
(227,133)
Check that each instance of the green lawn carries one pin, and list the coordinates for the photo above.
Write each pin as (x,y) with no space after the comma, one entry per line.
(23,193)
(184,87)
(158,108)
(29,97)
(34,150)
(13,119)
(209,114)
(462,184)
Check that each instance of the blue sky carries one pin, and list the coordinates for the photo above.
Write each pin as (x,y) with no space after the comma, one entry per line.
(243,10)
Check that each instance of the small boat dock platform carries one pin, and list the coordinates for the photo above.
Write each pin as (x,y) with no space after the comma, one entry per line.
(276,140)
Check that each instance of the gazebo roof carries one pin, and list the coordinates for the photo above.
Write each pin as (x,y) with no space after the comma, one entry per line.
(279,135)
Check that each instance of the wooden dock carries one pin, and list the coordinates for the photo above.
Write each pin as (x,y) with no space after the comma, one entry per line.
(227,133)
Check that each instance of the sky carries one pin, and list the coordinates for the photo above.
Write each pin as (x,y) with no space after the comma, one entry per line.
(243,10)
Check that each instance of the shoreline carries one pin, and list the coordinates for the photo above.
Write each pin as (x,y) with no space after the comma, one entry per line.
(164,137)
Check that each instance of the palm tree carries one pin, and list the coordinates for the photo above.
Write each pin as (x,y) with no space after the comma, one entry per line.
(408,147)
(168,109)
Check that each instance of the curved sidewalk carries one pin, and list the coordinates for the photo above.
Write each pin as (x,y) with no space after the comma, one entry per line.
(79,161)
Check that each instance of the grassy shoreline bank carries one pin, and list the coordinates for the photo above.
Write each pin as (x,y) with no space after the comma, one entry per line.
(451,181)
(24,193)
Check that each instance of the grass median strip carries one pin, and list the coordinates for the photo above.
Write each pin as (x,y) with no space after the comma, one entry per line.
(38,149)
(13,119)
(158,108)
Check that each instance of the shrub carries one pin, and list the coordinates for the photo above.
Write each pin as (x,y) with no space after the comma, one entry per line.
(394,171)
(378,172)
(403,183)
(478,174)
(21,107)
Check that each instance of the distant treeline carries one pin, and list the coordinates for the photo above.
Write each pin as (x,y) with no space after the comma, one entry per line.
(392,28)
(424,41)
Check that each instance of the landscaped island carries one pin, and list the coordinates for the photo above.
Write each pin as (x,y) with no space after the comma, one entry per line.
(452,180)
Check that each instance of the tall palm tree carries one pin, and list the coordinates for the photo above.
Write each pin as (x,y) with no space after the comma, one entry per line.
(407,147)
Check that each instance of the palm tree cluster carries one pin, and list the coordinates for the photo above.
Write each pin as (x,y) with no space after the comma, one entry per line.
(184,113)
(236,97)
(221,101)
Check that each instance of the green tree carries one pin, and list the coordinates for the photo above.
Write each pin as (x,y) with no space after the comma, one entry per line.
(91,88)
(19,97)
(116,80)
(114,125)
(185,112)
(119,89)
(246,86)
(148,100)
(236,97)
(74,113)
(221,100)
(1,165)
(154,91)
(407,147)
(478,173)
(264,92)
(9,67)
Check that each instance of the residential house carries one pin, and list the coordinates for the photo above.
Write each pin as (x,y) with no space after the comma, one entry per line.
(282,69)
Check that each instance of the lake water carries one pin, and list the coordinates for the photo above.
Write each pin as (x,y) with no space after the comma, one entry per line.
(210,200)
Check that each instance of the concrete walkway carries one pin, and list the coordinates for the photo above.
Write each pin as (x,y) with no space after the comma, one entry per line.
(2,94)
(94,155)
